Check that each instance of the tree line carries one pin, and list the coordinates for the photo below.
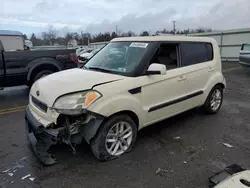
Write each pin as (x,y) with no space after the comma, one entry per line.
(51,36)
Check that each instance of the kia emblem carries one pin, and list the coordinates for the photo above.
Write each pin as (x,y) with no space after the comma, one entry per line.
(37,93)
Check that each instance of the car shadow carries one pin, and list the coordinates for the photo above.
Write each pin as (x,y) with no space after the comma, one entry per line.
(65,156)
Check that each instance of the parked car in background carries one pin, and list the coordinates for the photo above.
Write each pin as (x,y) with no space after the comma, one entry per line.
(244,57)
(88,54)
(28,43)
(108,101)
(84,57)
(81,50)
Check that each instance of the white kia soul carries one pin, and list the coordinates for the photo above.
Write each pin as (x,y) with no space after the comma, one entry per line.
(129,84)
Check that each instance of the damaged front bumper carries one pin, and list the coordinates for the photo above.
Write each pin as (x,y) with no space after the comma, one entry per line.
(69,132)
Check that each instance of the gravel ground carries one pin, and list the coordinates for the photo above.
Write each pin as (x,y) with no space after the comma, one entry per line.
(157,160)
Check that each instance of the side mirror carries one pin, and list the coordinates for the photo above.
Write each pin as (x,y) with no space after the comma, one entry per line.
(156,68)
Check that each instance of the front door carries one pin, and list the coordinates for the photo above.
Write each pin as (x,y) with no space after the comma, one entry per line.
(162,94)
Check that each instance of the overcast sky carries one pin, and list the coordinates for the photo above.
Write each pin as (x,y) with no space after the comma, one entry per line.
(95,16)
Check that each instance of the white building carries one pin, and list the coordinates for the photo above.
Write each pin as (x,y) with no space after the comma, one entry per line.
(229,41)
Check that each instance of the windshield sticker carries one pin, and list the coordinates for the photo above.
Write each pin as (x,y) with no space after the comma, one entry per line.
(138,45)
(122,69)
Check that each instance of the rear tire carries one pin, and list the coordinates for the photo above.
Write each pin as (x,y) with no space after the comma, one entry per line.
(112,140)
(214,100)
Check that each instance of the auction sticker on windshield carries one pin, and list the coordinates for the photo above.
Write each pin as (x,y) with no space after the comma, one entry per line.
(139,45)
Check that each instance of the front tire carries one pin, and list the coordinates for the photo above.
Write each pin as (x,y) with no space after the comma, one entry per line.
(114,138)
(214,100)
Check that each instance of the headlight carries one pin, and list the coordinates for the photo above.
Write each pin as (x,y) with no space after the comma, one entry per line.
(73,104)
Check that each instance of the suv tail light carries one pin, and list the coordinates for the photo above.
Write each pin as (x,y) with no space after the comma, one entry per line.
(73,57)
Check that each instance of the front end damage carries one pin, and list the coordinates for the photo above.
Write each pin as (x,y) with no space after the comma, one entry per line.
(68,129)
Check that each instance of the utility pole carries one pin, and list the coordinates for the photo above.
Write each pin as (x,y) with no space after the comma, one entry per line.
(116,30)
(82,37)
(174,22)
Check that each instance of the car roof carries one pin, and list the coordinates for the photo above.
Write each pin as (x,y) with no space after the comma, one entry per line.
(10,33)
(164,38)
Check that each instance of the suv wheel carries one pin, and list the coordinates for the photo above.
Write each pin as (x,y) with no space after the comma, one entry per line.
(214,100)
(115,137)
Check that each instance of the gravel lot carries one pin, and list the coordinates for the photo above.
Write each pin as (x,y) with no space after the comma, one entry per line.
(158,160)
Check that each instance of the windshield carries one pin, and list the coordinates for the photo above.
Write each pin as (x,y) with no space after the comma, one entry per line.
(119,57)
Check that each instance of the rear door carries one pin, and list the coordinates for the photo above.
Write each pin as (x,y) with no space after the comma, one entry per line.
(198,66)
(2,67)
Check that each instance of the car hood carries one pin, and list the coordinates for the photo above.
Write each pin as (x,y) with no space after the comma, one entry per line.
(49,88)
(85,54)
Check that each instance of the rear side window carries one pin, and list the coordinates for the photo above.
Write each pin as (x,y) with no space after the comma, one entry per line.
(194,53)
(245,47)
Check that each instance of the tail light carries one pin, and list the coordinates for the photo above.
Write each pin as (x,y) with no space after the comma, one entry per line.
(74,58)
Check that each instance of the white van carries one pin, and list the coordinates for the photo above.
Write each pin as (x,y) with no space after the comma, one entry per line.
(115,95)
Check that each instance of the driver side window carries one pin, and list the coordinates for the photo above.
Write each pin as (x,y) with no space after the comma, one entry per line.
(167,54)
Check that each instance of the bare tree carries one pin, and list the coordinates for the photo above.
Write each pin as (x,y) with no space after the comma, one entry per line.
(50,36)
(68,37)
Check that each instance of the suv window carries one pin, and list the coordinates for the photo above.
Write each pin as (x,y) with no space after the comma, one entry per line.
(193,53)
(166,54)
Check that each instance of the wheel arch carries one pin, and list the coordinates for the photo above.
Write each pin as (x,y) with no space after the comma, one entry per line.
(130,113)
(216,79)
(90,131)
(42,63)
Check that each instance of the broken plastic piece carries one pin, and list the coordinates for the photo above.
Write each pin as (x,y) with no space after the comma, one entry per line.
(10,174)
(222,175)
(6,170)
(24,177)
(32,179)
(227,145)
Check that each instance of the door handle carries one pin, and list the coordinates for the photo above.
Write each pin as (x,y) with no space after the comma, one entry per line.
(182,78)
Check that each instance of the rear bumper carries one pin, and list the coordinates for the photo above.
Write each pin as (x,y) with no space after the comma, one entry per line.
(243,64)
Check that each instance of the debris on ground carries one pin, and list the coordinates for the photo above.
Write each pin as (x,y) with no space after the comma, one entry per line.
(227,145)
(177,138)
(5,171)
(12,182)
(185,162)
(23,158)
(10,174)
(32,179)
(160,171)
(24,177)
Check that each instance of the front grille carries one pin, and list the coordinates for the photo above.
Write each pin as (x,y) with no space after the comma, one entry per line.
(39,104)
